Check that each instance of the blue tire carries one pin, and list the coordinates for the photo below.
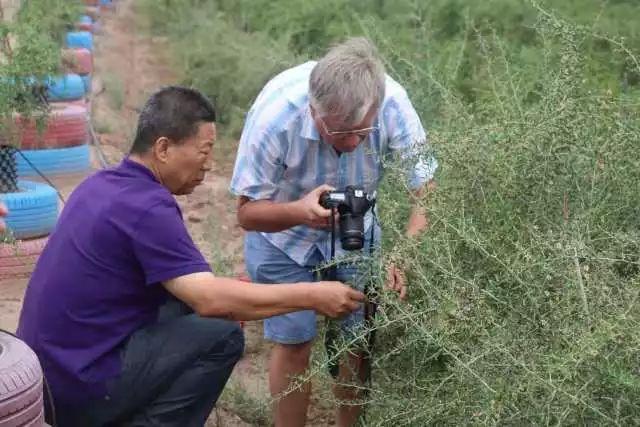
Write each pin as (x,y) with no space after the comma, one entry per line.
(80,39)
(85,19)
(55,161)
(33,211)
(86,79)
(65,88)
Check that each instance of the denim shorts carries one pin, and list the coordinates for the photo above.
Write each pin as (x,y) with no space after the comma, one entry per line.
(268,264)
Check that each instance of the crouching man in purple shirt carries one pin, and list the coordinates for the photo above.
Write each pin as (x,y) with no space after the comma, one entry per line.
(130,325)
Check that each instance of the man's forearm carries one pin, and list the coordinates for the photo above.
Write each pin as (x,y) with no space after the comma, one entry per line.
(418,220)
(248,301)
(268,216)
(229,298)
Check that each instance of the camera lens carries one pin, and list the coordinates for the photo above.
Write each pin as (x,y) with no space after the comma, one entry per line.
(351,232)
(352,243)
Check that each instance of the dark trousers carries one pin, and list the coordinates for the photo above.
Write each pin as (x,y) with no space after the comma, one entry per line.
(172,374)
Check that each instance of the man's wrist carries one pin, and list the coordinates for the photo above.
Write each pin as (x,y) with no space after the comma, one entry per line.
(296,212)
(308,296)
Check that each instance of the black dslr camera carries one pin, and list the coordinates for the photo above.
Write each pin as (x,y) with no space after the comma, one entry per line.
(352,204)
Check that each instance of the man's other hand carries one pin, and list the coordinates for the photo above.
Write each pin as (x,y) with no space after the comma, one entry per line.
(396,280)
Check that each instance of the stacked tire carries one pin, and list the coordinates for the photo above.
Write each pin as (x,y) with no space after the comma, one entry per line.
(50,146)
(18,259)
(61,148)
(79,61)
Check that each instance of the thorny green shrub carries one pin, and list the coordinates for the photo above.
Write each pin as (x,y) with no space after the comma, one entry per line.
(523,305)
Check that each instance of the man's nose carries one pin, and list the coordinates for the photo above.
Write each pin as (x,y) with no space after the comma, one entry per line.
(208,163)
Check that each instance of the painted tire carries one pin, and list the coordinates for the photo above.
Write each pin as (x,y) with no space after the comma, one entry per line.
(106,5)
(65,88)
(81,26)
(93,12)
(18,259)
(92,2)
(54,161)
(80,39)
(78,60)
(21,394)
(84,103)
(88,83)
(67,126)
(33,211)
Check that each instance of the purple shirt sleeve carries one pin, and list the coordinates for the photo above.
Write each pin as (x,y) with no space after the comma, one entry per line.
(164,247)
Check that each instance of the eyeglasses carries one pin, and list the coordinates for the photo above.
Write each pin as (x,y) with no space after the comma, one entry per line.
(361,133)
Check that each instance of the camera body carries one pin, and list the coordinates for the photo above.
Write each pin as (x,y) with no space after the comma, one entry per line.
(352,204)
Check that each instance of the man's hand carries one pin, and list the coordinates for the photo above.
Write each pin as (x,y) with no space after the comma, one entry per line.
(396,281)
(310,211)
(335,299)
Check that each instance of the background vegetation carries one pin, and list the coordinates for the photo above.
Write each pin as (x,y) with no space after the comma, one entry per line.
(30,54)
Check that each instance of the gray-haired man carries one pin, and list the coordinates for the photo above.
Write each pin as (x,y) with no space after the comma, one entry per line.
(315,127)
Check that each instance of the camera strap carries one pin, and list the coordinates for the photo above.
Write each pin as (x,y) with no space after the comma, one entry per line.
(331,273)
(370,306)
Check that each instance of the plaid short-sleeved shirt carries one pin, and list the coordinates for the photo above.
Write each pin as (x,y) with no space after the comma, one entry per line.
(281,156)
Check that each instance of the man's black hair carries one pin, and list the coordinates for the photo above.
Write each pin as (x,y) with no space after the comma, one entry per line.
(173,112)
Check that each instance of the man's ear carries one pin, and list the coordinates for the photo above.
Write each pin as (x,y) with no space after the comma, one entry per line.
(161,149)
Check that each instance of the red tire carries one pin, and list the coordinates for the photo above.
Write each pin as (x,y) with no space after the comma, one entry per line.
(17,260)
(77,60)
(85,26)
(81,102)
(67,126)
(20,384)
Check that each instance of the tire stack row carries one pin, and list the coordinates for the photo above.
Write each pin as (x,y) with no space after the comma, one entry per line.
(57,146)
(50,146)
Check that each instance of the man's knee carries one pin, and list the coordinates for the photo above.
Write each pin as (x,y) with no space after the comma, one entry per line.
(234,347)
(295,354)
(217,338)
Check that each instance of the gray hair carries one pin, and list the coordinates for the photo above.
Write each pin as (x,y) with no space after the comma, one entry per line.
(348,81)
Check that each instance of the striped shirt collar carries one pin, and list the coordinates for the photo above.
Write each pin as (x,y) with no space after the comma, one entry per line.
(308,130)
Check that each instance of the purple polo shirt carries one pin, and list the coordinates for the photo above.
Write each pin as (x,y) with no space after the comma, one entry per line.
(97,281)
